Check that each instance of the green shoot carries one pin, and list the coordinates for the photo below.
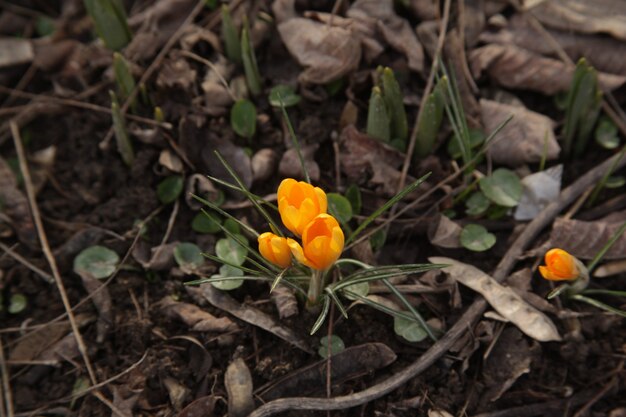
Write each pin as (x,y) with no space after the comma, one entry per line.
(232,44)
(432,116)
(602,183)
(124,145)
(617,235)
(124,79)
(250,67)
(110,22)
(395,106)
(377,117)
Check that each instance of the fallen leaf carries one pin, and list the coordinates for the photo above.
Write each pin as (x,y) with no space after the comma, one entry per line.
(201,407)
(102,301)
(540,189)
(445,233)
(15,51)
(601,51)
(263,164)
(196,318)
(327,52)
(50,55)
(585,239)
(524,139)
(290,166)
(503,299)
(514,67)
(157,258)
(15,207)
(348,364)
(285,301)
(203,187)
(394,29)
(253,316)
(124,402)
(238,382)
(176,73)
(599,16)
(177,392)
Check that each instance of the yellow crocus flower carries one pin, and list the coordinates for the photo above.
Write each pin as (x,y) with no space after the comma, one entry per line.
(322,243)
(275,249)
(299,203)
(560,266)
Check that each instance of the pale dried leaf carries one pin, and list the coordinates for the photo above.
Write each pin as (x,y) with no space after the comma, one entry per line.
(176,73)
(238,382)
(540,189)
(253,316)
(196,318)
(264,164)
(524,137)
(200,185)
(123,401)
(102,301)
(327,52)
(177,392)
(602,52)
(15,51)
(157,258)
(290,166)
(201,407)
(285,301)
(585,239)
(445,233)
(514,67)
(15,206)
(503,299)
(583,16)
(170,161)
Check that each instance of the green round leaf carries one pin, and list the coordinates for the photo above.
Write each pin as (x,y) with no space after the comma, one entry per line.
(377,240)
(334,342)
(206,223)
(285,93)
(170,188)
(232,226)
(477,204)
(243,118)
(230,251)
(339,207)
(409,329)
(503,187)
(353,194)
(188,255)
(606,133)
(231,284)
(476,238)
(616,181)
(98,261)
(18,303)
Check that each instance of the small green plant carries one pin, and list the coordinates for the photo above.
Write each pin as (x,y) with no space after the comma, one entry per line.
(98,261)
(110,22)
(332,344)
(430,122)
(386,118)
(284,93)
(232,44)
(476,238)
(170,189)
(243,118)
(377,117)
(583,107)
(124,79)
(124,145)
(250,67)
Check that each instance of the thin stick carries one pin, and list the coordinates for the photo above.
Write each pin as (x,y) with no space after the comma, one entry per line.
(43,274)
(439,348)
(6,385)
(45,246)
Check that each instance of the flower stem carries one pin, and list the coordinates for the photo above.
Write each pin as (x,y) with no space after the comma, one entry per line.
(315,289)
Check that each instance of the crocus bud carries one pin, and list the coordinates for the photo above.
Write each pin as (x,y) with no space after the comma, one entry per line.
(322,243)
(275,249)
(560,266)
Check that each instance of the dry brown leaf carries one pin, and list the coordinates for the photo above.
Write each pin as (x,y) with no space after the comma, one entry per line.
(585,239)
(263,164)
(285,301)
(201,407)
(177,392)
(176,73)
(157,258)
(252,315)
(238,382)
(196,318)
(584,16)
(350,363)
(15,51)
(290,166)
(102,301)
(602,52)
(445,233)
(523,139)
(514,67)
(504,300)
(396,31)
(15,206)
(327,52)
(50,55)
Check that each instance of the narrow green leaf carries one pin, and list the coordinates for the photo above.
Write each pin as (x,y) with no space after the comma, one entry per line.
(377,117)
(124,79)
(430,123)
(395,106)
(232,44)
(322,317)
(110,22)
(251,69)
(598,304)
(124,145)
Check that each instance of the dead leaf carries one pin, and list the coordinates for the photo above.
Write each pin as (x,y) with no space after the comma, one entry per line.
(599,16)
(524,139)
(80,240)
(348,364)
(201,407)
(285,301)
(264,163)
(396,31)
(238,382)
(327,52)
(50,55)
(102,300)
(510,359)
(170,161)
(15,206)
(217,97)
(424,9)
(196,318)
(601,51)
(201,186)
(290,166)
(585,239)
(540,189)
(176,73)
(15,51)
(124,402)
(253,316)
(503,299)
(445,233)
(177,392)
(157,258)
(514,67)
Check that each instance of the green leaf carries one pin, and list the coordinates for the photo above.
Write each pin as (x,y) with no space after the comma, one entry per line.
(430,123)
(334,342)
(409,329)
(352,292)
(339,207)
(606,133)
(232,226)
(98,261)
(44,26)
(395,106)
(230,35)
(503,187)
(124,145)
(188,255)
(615,181)
(377,117)
(286,93)
(353,194)
(170,188)
(206,223)
(110,22)
(231,284)
(243,118)
(250,67)
(17,303)
(231,251)
(123,79)
(476,238)
(81,384)
(476,138)
(377,240)
(477,204)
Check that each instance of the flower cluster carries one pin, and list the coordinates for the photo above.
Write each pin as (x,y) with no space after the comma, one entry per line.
(302,209)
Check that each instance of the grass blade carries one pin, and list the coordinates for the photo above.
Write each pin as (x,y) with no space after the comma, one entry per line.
(599,304)
(416,315)
(337,301)
(322,317)
(606,247)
